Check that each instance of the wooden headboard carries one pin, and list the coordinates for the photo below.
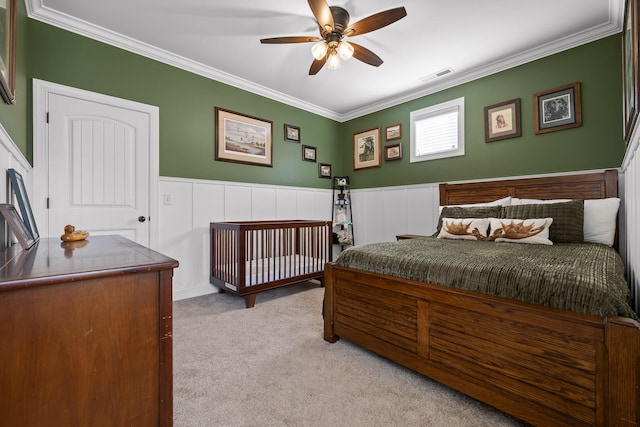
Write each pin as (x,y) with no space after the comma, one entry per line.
(581,186)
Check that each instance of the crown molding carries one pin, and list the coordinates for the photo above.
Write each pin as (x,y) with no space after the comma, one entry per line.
(36,10)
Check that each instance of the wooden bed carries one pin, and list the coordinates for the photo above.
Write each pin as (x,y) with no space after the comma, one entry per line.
(543,365)
(248,257)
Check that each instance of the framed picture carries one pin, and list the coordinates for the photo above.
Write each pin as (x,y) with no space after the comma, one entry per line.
(393,152)
(557,109)
(243,139)
(324,170)
(393,132)
(366,149)
(16,225)
(8,51)
(20,191)
(502,121)
(308,153)
(291,133)
(630,70)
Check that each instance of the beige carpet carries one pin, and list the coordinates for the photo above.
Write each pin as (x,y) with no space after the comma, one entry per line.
(269,366)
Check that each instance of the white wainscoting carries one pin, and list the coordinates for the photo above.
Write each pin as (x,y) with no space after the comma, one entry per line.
(11,158)
(379,214)
(630,216)
(187,207)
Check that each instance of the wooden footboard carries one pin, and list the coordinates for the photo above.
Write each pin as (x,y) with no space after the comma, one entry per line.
(248,257)
(542,365)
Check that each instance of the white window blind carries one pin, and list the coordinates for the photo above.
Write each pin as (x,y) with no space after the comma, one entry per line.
(437,131)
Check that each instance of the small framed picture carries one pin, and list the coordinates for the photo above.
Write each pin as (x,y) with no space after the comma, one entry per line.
(557,109)
(367,149)
(291,133)
(308,153)
(502,121)
(393,152)
(394,132)
(16,225)
(324,170)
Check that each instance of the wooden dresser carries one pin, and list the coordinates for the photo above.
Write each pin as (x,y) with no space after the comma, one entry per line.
(86,334)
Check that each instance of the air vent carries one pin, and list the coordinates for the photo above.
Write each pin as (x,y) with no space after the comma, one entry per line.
(436,75)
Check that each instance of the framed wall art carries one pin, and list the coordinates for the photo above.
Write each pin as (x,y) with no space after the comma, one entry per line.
(308,153)
(243,139)
(393,132)
(8,51)
(20,192)
(367,149)
(393,152)
(16,225)
(291,133)
(324,170)
(502,121)
(630,70)
(557,109)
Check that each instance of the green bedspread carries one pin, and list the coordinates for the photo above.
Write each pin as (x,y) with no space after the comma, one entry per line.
(581,277)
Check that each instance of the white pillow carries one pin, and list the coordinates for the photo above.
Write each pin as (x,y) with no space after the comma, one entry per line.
(464,228)
(534,231)
(505,201)
(600,217)
(516,201)
(600,220)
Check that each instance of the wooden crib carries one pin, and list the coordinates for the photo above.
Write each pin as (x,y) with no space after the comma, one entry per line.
(248,257)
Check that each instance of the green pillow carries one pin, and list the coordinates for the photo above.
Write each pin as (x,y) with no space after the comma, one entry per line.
(568,218)
(467,212)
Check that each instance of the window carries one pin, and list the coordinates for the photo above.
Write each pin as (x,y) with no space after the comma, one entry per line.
(437,131)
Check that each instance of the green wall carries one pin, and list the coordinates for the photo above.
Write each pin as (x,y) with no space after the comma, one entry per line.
(597,144)
(187,102)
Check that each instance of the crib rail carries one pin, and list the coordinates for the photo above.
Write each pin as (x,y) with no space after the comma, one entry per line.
(249,256)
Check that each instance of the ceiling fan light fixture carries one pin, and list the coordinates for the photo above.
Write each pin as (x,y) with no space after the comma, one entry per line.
(345,50)
(333,63)
(319,50)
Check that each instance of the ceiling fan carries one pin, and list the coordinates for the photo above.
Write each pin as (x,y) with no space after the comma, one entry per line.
(334,27)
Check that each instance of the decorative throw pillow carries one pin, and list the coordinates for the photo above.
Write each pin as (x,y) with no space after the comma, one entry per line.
(600,220)
(468,212)
(464,228)
(534,231)
(568,218)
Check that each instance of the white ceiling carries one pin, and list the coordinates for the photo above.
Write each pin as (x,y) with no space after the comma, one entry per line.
(220,40)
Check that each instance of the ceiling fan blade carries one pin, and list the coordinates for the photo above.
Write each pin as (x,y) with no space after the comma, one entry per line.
(323,14)
(376,21)
(317,65)
(365,55)
(291,39)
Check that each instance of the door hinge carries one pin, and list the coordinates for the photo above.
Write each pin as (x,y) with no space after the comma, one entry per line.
(47,117)
(47,203)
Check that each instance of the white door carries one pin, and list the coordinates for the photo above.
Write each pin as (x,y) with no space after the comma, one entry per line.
(98,162)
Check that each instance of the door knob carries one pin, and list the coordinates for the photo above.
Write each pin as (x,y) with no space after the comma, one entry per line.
(142,218)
